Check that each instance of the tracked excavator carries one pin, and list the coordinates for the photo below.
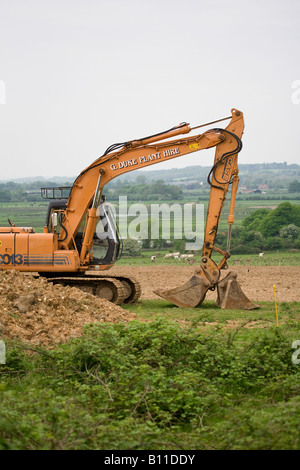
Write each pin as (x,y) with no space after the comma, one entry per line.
(66,253)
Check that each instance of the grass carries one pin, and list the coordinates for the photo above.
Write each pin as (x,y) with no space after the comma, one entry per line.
(283,258)
(28,214)
(209,315)
(33,214)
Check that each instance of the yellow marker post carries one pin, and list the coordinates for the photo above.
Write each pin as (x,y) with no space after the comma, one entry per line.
(276,306)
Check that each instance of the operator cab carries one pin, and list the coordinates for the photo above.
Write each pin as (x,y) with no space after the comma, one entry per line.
(106,240)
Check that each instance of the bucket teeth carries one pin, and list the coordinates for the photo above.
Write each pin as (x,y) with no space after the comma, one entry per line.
(231,296)
(190,294)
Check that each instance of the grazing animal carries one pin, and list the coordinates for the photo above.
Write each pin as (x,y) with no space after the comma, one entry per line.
(153,259)
(261,255)
(186,256)
(171,255)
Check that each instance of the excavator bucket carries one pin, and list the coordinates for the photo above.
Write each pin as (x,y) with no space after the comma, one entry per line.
(190,294)
(231,296)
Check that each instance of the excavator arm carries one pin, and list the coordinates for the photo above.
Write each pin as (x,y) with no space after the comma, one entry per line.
(65,255)
(121,158)
(86,192)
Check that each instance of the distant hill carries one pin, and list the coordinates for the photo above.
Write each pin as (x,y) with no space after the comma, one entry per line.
(273,175)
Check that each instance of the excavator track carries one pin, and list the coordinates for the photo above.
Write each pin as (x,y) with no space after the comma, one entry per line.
(133,289)
(131,285)
(118,290)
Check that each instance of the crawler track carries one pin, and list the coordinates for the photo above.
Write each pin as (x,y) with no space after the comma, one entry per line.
(116,289)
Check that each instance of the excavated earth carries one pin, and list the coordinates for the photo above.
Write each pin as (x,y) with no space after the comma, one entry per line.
(38,312)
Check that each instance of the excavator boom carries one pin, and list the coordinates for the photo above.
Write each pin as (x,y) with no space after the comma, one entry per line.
(66,255)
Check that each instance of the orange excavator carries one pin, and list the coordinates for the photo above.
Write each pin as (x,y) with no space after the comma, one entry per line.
(65,252)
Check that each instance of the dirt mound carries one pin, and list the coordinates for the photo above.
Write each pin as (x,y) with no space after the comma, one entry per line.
(39,312)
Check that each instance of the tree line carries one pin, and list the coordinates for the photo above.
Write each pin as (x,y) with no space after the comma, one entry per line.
(26,192)
(149,185)
(157,190)
(263,230)
(266,230)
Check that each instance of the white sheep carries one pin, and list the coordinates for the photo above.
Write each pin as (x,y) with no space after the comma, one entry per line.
(171,255)
(261,255)
(186,256)
(153,259)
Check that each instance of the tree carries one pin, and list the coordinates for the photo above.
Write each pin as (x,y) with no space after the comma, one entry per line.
(179,245)
(283,215)
(131,247)
(254,220)
(273,243)
(290,232)
(5,196)
(294,187)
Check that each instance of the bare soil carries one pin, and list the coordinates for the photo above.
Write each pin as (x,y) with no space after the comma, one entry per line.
(256,281)
(38,312)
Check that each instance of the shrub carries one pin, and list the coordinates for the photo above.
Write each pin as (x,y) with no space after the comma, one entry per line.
(131,248)
(127,386)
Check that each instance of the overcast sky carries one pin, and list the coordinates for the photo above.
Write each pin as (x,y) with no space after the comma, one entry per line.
(79,75)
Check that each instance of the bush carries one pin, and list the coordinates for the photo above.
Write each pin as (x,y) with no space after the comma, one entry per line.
(138,385)
(273,243)
(283,215)
(294,187)
(253,221)
(269,223)
(290,232)
(131,248)
(297,243)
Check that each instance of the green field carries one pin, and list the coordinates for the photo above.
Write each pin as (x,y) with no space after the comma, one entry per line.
(270,259)
(208,314)
(33,214)
(27,214)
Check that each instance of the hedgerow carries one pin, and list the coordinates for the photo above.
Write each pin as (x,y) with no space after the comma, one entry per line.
(153,385)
